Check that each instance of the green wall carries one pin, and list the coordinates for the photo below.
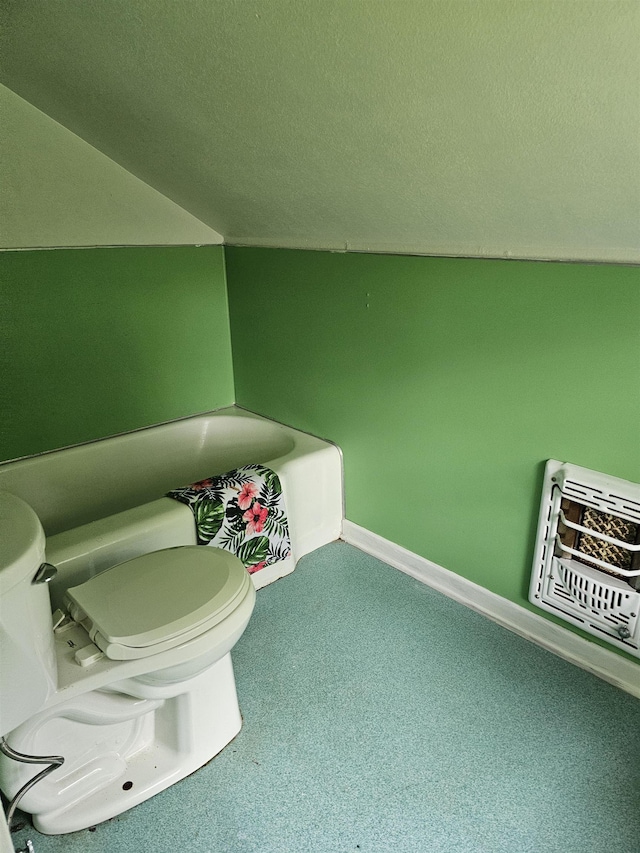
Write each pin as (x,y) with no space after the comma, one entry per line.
(98,341)
(447,383)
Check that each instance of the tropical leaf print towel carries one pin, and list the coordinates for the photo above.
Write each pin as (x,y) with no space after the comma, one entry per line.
(243,512)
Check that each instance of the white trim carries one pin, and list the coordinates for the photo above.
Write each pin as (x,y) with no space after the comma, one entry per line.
(607,665)
(624,256)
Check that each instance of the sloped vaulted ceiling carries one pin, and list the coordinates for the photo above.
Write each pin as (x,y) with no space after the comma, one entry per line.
(497,127)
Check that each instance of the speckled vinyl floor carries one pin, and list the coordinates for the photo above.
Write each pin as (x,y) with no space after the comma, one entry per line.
(380,716)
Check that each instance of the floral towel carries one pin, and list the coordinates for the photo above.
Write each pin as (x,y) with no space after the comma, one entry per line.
(243,512)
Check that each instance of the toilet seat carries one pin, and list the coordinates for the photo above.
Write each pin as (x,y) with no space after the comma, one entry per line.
(159,600)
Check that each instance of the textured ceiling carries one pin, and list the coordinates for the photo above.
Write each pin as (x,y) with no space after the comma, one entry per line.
(59,191)
(497,127)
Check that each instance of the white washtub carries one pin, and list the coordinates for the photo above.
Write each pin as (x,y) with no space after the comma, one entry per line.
(103,501)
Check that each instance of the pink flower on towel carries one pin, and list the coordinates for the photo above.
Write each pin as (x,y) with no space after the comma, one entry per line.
(247,494)
(255,518)
(257,567)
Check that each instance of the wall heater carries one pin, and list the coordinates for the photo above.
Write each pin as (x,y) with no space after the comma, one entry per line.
(586,567)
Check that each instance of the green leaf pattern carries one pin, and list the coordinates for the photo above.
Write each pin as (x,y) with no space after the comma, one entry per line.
(243,512)
(209,515)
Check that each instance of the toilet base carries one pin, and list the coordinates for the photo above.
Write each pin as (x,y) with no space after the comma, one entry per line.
(111,767)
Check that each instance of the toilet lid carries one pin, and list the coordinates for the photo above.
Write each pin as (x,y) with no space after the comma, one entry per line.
(158,598)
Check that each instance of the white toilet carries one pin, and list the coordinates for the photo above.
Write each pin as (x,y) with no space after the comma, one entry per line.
(133,687)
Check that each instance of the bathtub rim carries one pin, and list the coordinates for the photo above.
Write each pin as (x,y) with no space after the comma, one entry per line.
(233,407)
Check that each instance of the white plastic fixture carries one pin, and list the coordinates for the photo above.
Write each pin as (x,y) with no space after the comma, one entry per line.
(571,578)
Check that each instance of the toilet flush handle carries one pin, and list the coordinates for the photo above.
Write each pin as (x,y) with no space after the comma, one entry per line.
(45,573)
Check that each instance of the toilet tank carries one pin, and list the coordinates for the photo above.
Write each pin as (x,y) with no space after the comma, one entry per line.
(84,551)
(27,662)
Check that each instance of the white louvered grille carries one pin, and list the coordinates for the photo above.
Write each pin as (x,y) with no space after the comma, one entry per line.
(593,595)
(587,560)
(607,501)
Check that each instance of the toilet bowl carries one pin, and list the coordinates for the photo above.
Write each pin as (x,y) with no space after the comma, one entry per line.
(133,685)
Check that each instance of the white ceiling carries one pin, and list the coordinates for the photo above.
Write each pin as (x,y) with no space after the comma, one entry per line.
(475,127)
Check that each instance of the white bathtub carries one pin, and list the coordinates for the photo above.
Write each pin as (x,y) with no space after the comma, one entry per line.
(83,494)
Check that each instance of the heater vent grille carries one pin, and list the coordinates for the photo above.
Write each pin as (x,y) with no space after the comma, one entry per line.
(594,595)
(587,561)
(604,500)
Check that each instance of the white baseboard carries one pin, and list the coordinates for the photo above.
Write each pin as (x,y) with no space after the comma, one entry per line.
(607,665)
